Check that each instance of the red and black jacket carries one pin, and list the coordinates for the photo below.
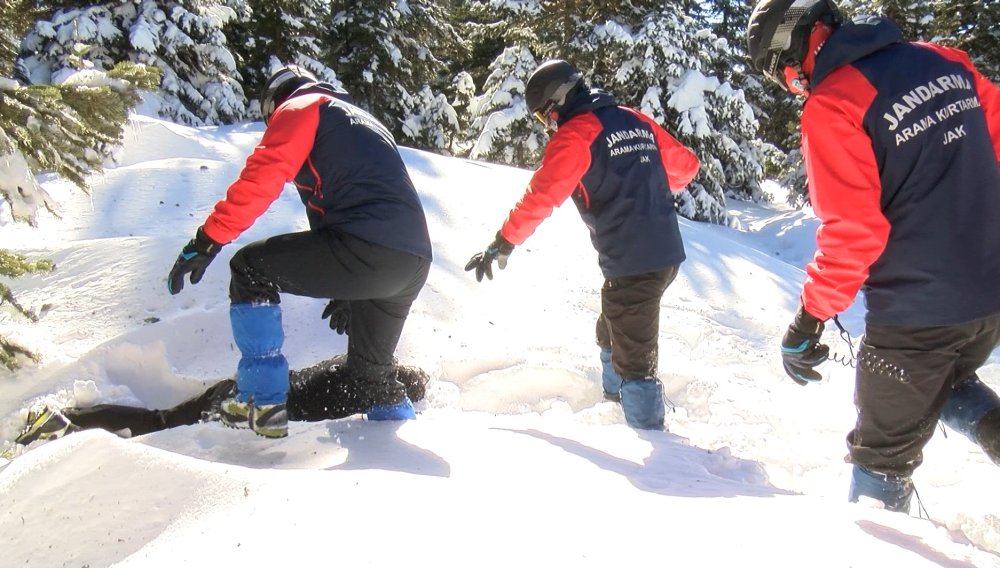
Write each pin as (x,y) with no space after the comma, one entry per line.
(901,143)
(620,168)
(346,167)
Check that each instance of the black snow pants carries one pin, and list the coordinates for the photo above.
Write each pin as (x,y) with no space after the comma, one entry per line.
(139,421)
(380,283)
(905,375)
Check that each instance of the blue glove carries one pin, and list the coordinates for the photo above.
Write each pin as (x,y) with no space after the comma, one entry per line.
(801,350)
(339,312)
(193,259)
(499,250)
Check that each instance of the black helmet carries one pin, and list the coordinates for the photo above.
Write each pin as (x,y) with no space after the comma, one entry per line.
(548,86)
(778,33)
(282,84)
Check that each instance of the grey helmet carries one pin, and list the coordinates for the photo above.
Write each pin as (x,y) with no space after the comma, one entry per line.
(281,85)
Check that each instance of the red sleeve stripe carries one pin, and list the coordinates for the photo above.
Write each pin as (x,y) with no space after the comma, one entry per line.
(280,155)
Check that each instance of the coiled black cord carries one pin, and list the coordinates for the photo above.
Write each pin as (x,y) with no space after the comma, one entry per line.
(852,360)
(871,361)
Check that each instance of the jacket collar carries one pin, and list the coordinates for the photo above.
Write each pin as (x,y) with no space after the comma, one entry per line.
(853,41)
(325,89)
(585,100)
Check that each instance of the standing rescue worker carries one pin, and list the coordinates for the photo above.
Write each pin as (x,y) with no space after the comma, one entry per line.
(620,168)
(901,144)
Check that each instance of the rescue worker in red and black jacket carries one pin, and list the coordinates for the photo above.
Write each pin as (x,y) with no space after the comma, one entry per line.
(901,143)
(620,168)
(367,249)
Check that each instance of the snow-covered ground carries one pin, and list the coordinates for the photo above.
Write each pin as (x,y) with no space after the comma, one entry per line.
(515,459)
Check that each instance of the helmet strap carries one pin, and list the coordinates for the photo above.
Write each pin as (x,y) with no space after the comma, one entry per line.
(797,76)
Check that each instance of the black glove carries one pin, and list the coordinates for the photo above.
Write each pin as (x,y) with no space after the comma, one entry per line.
(801,349)
(194,259)
(339,312)
(499,250)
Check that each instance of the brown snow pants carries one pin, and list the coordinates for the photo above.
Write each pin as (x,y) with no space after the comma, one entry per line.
(629,324)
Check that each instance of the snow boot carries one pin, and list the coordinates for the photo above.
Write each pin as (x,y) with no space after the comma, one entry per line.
(385,396)
(402,410)
(642,401)
(894,492)
(969,403)
(610,379)
(988,435)
(234,414)
(45,423)
(269,420)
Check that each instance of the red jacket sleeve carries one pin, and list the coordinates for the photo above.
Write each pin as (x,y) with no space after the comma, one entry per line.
(989,94)
(566,160)
(678,160)
(277,159)
(845,191)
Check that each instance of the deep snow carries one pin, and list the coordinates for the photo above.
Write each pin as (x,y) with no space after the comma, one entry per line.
(514,458)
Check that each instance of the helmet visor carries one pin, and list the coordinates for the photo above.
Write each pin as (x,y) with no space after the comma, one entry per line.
(547,116)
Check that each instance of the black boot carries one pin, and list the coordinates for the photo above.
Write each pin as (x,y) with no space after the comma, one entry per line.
(326,392)
(379,381)
(388,396)
(988,435)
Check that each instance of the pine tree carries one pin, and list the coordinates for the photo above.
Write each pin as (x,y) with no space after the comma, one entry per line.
(776,111)
(644,52)
(491,27)
(277,33)
(464,89)
(431,122)
(972,26)
(15,17)
(386,52)
(502,41)
(68,129)
(13,266)
(660,60)
(503,128)
(184,39)
(914,17)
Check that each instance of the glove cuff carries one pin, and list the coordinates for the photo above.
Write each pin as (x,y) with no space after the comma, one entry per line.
(807,323)
(503,245)
(204,244)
